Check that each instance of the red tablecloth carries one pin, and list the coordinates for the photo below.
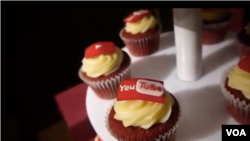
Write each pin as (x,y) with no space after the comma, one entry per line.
(72,105)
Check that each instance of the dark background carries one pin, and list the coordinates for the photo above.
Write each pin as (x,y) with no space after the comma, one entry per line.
(42,52)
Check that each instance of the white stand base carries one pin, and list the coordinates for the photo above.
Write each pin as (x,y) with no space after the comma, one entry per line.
(201,101)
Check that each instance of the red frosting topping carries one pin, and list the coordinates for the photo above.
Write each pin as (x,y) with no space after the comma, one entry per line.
(100,48)
(244,63)
(141,89)
(136,16)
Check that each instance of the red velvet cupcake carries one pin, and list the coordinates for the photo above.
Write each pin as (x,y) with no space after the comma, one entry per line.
(104,66)
(141,34)
(236,89)
(216,22)
(143,111)
(244,41)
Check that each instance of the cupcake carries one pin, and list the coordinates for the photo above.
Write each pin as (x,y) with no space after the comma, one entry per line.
(215,25)
(141,34)
(143,111)
(244,41)
(104,66)
(236,89)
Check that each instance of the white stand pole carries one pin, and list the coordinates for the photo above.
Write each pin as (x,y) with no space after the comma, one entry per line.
(187,29)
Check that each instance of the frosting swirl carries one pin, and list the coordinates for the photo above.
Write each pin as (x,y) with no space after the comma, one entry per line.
(141,26)
(102,64)
(240,80)
(214,13)
(144,114)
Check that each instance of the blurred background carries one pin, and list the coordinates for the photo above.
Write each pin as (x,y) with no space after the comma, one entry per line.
(43,48)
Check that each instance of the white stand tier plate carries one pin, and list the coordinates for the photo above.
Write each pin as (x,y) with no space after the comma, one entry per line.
(202,105)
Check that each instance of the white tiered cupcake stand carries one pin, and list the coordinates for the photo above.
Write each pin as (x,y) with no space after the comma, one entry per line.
(202,105)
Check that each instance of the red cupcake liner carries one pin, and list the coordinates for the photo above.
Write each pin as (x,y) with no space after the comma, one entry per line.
(107,89)
(215,33)
(144,46)
(170,135)
(238,109)
(243,50)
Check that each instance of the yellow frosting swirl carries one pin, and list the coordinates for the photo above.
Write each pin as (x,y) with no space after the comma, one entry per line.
(240,80)
(248,28)
(144,114)
(214,14)
(102,64)
(141,26)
